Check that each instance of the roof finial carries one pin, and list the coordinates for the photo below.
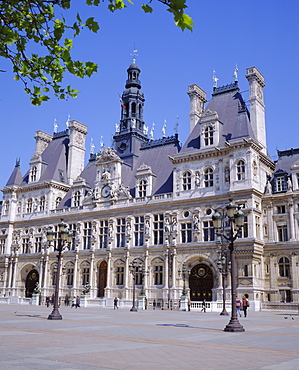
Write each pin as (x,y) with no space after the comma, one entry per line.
(215,79)
(164,129)
(18,160)
(176,125)
(92,146)
(101,143)
(152,131)
(134,54)
(55,126)
(68,121)
(235,75)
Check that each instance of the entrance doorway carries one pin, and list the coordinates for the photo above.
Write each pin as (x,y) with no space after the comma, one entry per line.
(201,283)
(102,279)
(31,280)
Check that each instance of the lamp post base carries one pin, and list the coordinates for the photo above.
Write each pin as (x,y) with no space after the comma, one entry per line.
(55,315)
(224,313)
(134,309)
(234,326)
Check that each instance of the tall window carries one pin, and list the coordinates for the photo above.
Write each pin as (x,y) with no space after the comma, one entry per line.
(208,231)
(139,231)
(208,135)
(284,267)
(244,229)
(120,232)
(2,246)
(38,244)
(103,234)
(69,273)
(138,276)
(72,228)
(6,208)
(158,229)
(186,232)
(42,203)
(85,272)
(29,205)
(142,188)
(241,170)
(54,272)
(87,231)
(280,183)
(77,196)
(187,180)
(158,274)
(208,177)
(120,275)
(33,173)
(282,233)
(25,245)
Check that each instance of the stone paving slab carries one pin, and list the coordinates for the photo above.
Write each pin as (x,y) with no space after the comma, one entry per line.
(96,338)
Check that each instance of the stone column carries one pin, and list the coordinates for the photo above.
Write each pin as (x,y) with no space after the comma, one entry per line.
(273,278)
(294,274)
(292,225)
(75,273)
(91,277)
(127,272)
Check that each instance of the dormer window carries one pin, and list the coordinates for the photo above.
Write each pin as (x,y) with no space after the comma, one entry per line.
(208,177)
(33,174)
(208,135)
(76,200)
(57,202)
(187,180)
(280,183)
(241,170)
(142,188)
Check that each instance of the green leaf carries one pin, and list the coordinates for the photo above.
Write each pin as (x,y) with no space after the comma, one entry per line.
(92,25)
(147,8)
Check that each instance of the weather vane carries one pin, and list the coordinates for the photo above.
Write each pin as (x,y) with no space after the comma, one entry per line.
(134,54)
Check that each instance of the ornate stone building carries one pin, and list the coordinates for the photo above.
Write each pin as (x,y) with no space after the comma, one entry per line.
(152,201)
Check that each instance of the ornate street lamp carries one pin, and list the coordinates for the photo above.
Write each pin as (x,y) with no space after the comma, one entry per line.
(64,237)
(224,267)
(236,222)
(134,268)
(184,273)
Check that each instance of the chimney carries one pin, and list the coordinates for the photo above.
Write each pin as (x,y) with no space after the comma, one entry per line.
(197,100)
(78,132)
(42,141)
(257,106)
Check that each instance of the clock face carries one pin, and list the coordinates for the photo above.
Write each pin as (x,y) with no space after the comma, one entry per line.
(106,190)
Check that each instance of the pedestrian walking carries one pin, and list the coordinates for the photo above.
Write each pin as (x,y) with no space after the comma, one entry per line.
(115,303)
(78,302)
(189,304)
(73,302)
(47,301)
(238,306)
(204,305)
(245,304)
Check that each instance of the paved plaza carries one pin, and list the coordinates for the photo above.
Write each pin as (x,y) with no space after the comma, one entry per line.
(95,338)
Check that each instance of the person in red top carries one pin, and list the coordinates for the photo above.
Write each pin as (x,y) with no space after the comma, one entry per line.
(245,305)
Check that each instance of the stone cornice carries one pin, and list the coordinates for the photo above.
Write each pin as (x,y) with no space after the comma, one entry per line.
(38,186)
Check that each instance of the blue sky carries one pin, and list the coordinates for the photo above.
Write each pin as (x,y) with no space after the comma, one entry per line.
(261,33)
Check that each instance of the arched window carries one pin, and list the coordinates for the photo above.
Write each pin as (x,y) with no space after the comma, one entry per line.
(77,196)
(85,271)
(29,205)
(187,180)
(70,273)
(142,188)
(33,173)
(208,177)
(119,272)
(42,203)
(284,267)
(57,202)
(208,135)
(241,170)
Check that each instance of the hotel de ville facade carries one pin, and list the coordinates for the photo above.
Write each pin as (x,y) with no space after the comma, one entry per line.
(152,201)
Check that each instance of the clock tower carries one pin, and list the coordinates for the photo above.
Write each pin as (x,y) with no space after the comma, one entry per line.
(131,132)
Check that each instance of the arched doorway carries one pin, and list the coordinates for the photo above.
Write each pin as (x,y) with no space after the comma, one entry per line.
(102,279)
(201,283)
(31,280)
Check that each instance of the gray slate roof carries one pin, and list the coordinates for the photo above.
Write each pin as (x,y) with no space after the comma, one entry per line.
(235,122)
